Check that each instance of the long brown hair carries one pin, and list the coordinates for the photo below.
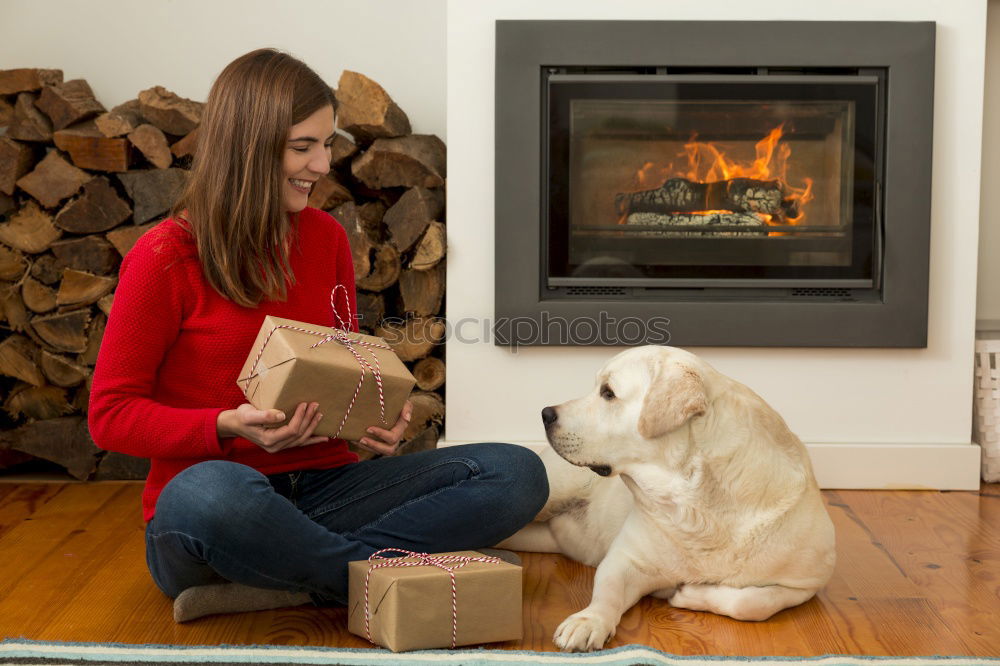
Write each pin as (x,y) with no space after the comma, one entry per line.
(233,200)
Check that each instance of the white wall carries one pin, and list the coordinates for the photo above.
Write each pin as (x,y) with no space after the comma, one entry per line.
(124,46)
(988,302)
(848,398)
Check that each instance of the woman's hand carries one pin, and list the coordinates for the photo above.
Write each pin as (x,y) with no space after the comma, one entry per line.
(388,440)
(257,425)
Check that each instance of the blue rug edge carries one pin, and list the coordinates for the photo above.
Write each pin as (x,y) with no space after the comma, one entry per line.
(30,643)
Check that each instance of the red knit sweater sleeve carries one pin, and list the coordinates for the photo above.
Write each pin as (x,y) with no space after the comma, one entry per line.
(144,322)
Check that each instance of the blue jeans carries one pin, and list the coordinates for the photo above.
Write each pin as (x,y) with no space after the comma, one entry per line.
(222,521)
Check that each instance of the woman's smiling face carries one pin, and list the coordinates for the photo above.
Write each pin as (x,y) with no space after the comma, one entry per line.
(306,158)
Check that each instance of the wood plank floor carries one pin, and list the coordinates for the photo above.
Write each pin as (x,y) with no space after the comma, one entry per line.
(918,573)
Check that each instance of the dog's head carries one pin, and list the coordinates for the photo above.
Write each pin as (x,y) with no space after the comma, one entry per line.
(641,396)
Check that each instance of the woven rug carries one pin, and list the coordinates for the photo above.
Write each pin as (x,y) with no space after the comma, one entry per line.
(14,651)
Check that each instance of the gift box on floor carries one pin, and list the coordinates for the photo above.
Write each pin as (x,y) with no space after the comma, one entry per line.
(410,605)
(291,362)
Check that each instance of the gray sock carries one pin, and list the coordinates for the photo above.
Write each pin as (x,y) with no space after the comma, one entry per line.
(202,600)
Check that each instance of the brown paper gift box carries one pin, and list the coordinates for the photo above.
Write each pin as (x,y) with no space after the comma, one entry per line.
(291,371)
(411,608)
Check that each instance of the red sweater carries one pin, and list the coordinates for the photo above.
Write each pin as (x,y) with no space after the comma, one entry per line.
(174,347)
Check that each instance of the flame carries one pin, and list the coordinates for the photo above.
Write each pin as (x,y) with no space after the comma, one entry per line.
(706,163)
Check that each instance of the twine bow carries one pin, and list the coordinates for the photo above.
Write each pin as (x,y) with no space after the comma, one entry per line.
(450,563)
(341,336)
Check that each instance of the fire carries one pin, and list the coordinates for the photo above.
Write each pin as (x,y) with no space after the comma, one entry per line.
(706,163)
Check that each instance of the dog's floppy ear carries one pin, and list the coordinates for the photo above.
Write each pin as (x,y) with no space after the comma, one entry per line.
(676,395)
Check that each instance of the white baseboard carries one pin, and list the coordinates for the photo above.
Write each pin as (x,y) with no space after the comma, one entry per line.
(880,466)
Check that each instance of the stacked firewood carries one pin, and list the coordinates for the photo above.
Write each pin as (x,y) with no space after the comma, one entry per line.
(80,184)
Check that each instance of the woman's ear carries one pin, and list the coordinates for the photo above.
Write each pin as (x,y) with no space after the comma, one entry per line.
(676,395)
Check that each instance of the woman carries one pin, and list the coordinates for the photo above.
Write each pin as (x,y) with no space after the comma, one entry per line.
(244,514)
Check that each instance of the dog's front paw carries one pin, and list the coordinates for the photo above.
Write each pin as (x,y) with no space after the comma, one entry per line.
(583,631)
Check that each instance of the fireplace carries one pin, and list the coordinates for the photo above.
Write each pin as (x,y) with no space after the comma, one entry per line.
(728,189)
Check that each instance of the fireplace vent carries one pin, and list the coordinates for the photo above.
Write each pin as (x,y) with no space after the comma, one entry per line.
(596,291)
(822,292)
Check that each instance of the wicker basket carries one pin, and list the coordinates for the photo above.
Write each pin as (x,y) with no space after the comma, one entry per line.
(986,407)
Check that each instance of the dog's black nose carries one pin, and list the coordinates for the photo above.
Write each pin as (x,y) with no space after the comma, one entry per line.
(549,416)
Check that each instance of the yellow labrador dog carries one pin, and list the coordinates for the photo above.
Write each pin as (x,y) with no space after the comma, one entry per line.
(683,484)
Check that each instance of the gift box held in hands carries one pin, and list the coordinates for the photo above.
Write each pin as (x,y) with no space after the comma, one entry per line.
(434,601)
(357,379)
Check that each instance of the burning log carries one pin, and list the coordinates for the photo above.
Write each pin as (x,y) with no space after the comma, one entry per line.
(697,219)
(737,195)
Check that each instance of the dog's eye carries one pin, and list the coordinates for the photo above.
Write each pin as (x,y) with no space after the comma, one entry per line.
(606,392)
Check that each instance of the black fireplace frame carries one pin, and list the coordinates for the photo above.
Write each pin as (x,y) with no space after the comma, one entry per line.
(891,314)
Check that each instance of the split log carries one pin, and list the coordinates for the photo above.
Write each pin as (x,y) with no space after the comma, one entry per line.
(411,215)
(124,237)
(92,254)
(28,123)
(13,264)
(738,195)
(413,339)
(13,308)
(61,371)
(417,160)
(365,110)
(341,150)
(429,373)
(422,291)
(385,269)
(99,208)
(371,310)
(37,297)
(6,112)
(186,146)
(10,458)
(328,192)
(65,441)
(6,204)
(68,103)
(104,303)
(152,143)
(14,81)
(16,159)
(426,440)
(120,120)
(80,288)
(171,113)
(29,230)
(88,148)
(81,400)
(361,245)
(36,403)
(44,269)
(431,248)
(153,191)
(371,215)
(94,336)
(19,359)
(116,466)
(65,331)
(428,409)
(53,180)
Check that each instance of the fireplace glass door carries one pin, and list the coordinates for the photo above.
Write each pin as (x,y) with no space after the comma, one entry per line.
(746,181)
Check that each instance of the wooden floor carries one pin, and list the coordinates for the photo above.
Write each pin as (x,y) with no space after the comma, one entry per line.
(918,573)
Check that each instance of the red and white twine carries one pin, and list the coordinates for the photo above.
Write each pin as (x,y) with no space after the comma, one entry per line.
(340,335)
(450,563)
